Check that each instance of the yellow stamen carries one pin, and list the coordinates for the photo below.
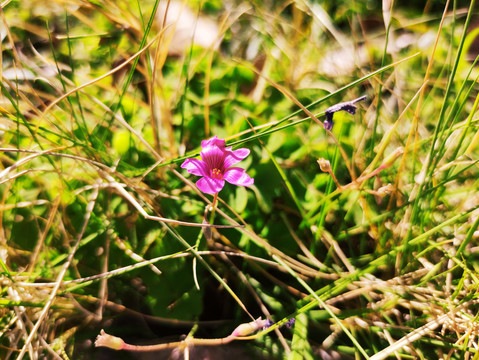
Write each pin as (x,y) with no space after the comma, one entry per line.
(216,174)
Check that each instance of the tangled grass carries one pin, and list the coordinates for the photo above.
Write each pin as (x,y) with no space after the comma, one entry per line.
(364,232)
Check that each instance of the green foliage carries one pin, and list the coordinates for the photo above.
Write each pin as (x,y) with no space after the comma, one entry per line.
(376,243)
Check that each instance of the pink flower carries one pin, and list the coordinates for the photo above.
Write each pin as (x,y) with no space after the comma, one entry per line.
(215,166)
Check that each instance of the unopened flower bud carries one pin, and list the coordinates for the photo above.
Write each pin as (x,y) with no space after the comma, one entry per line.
(109,341)
(248,328)
(385,190)
(324,165)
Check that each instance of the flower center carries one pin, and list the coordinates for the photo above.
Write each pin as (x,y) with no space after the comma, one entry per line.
(216,174)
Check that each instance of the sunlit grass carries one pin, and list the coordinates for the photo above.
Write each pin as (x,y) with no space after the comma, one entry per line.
(366,234)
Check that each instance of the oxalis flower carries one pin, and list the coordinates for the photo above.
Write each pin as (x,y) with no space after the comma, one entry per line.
(216,166)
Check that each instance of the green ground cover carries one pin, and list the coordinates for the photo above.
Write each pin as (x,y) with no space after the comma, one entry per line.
(366,235)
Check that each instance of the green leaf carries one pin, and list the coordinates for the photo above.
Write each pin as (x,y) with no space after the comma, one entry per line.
(300,347)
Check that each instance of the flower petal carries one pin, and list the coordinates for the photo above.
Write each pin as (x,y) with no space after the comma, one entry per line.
(213,156)
(209,185)
(238,176)
(213,141)
(196,167)
(235,156)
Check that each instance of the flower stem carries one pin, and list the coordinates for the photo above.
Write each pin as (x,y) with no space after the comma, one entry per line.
(213,205)
(241,332)
(213,208)
(207,231)
(116,343)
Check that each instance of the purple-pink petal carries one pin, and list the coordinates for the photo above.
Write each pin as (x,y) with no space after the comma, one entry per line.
(235,156)
(213,156)
(209,185)
(196,167)
(238,176)
(214,141)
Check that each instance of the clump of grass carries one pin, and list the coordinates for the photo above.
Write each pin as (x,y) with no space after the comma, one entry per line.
(365,232)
